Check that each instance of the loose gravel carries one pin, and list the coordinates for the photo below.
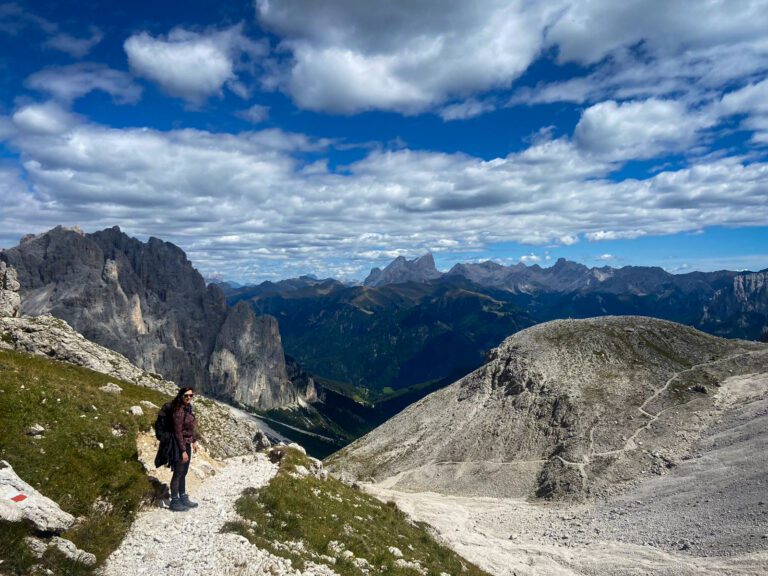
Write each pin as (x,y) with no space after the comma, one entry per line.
(191,543)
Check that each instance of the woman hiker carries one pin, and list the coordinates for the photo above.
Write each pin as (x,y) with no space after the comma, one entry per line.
(183,419)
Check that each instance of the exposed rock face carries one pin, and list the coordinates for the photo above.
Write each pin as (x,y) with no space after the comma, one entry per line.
(401,270)
(745,299)
(147,302)
(247,363)
(569,408)
(20,501)
(9,286)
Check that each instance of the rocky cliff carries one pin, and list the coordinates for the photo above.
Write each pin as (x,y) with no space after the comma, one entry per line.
(401,270)
(248,361)
(147,302)
(566,409)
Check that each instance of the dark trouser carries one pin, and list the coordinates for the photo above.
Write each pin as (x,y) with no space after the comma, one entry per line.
(179,478)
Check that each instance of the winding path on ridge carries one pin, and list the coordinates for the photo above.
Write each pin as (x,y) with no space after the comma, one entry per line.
(629,443)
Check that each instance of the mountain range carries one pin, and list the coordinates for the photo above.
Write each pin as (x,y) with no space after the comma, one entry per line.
(334,358)
(410,324)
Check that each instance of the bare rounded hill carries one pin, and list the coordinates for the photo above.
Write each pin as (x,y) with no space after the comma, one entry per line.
(565,409)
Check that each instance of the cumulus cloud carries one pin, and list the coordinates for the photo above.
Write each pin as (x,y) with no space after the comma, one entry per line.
(68,83)
(406,56)
(44,119)
(587,32)
(415,56)
(638,129)
(530,258)
(246,204)
(192,65)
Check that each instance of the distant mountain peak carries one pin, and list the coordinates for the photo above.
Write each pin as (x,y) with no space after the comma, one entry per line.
(421,269)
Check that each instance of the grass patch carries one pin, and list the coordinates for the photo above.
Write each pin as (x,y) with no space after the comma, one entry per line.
(327,522)
(91,473)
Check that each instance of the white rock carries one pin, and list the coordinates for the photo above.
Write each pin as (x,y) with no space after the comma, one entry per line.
(29,504)
(111,388)
(298,447)
(35,430)
(36,546)
(148,404)
(136,411)
(73,552)
(395,551)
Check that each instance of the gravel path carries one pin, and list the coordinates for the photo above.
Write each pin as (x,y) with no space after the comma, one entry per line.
(191,543)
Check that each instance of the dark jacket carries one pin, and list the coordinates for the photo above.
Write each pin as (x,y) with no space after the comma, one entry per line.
(184,426)
(174,442)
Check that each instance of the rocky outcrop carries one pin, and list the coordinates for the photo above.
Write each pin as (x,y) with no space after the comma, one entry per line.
(147,302)
(247,363)
(21,502)
(54,338)
(569,408)
(401,270)
(10,301)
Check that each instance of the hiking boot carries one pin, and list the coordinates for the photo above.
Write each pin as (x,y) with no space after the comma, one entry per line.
(177,505)
(187,502)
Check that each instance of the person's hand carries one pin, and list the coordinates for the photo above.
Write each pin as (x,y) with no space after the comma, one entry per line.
(184,458)
(194,446)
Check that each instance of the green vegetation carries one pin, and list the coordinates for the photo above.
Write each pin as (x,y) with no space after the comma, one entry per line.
(79,463)
(326,522)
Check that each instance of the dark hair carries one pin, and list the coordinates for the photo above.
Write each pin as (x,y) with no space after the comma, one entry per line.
(179,400)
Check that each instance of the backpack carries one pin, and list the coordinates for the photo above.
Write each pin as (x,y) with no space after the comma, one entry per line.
(164,420)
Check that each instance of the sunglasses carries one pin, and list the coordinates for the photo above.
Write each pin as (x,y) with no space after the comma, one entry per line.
(188,395)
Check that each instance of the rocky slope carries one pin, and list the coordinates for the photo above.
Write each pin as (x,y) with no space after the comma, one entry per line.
(566,409)
(146,301)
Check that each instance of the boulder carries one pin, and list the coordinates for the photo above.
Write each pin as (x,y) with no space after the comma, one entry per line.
(136,411)
(73,552)
(19,501)
(35,430)
(111,388)
(261,442)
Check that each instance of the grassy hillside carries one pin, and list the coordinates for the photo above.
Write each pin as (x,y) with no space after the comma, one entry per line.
(80,463)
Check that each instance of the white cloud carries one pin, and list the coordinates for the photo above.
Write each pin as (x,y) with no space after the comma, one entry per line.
(47,119)
(751,100)
(68,83)
(569,239)
(246,203)
(191,65)
(353,56)
(638,129)
(465,110)
(255,114)
(410,57)
(586,32)
(74,46)
(606,257)
(529,258)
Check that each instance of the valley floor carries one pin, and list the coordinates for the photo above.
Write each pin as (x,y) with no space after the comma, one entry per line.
(707,516)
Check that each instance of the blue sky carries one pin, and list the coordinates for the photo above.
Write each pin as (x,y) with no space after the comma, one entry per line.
(271,139)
